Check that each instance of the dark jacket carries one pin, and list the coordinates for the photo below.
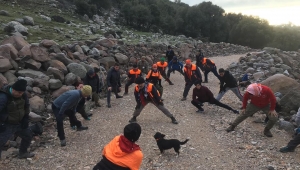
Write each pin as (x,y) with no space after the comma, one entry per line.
(13,110)
(227,81)
(195,74)
(202,95)
(93,82)
(152,95)
(105,164)
(198,58)
(113,78)
(68,101)
(206,65)
(170,54)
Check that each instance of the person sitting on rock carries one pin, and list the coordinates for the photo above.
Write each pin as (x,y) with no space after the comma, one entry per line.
(14,116)
(228,82)
(143,65)
(202,94)
(207,65)
(161,66)
(122,153)
(145,93)
(174,65)
(92,80)
(262,98)
(65,105)
(132,75)
(154,77)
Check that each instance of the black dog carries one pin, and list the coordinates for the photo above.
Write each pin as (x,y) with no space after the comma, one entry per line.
(164,144)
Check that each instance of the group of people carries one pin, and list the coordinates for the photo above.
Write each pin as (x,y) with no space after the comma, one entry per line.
(14,105)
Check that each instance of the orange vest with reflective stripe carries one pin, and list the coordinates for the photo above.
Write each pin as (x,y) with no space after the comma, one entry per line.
(163,66)
(193,68)
(136,73)
(149,89)
(151,73)
(204,61)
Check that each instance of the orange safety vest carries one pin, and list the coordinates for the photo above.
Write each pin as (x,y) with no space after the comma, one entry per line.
(151,73)
(136,73)
(204,61)
(163,66)
(149,89)
(193,68)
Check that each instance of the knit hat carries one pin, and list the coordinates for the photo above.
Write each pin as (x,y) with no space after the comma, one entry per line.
(132,132)
(91,72)
(139,80)
(162,59)
(86,90)
(254,89)
(188,61)
(20,85)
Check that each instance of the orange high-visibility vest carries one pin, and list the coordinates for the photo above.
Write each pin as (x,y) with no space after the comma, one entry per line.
(151,73)
(204,61)
(149,89)
(162,65)
(193,68)
(136,73)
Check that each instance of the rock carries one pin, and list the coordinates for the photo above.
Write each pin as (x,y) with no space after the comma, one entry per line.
(60,91)
(37,90)
(37,104)
(258,75)
(56,73)
(54,49)
(280,83)
(85,49)
(14,26)
(3,80)
(8,51)
(5,64)
(25,51)
(271,50)
(10,77)
(77,69)
(45,18)
(106,43)
(30,73)
(290,101)
(285,67)
(70,79)
(286,59)
(107,62)
(32,64)
(42,82)
(62,57)
(57,18)
(4,13)
(94,52)
(28,20)
(121,58)
(55,84)
(47,43)
(79,56)
(17,41)
(250,70)
(287,126)
(55,64)
(39,53)
(29,80)
(86,66)
(272,70)
(34,117)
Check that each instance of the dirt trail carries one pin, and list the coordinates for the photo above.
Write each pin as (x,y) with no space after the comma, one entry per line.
(210,146)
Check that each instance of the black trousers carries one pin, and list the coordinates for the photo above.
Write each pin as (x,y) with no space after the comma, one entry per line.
(215,101)
(80,108)
(294,142)
(170,70)
(114,89)
(60,121)
(214,70)
(129,82)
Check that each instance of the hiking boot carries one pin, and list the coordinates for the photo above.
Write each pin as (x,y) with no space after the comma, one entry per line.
(268,133)
(286,149)
(205,81)
(235,111)
(25,155)
(174,121)
(87,118)
(200,110)
(132,120)
(119,97)
(90,114)
(73,127)
(63,143)
(183,99)
(81,128)
(171,83)
(230,128)
(108,105)
(125,94)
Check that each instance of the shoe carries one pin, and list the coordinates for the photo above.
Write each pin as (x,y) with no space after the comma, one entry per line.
(171,83)
(119,97)
(162,99)
(125,94)
(236,111)
(108,105)
(63,143)
(286,149)
(230,128)
(88,118)
(205,82)
(200,111)
(132,120)
(81,128)
(25,155)
(74,127)
(183,99)
(90,114)
(268,133)
(174,121)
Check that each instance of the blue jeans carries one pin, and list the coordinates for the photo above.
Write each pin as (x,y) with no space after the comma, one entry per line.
(235,90)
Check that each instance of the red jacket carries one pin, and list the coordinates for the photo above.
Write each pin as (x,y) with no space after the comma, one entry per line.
(266,97)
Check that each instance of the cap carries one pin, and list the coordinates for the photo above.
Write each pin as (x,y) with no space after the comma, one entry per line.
(132,132)
(86,90)
(162,59)
(198,82)
(139,80)
(20,85)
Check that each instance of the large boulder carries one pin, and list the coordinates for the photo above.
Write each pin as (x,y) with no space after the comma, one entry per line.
(17,41)
(77,69)
(60,91)
(286,59)
(10,77)
(185,50)
(5,64)
(28,20)
(62,57)
(30,73)
(47,43)
(107,62)
(55,84)
(14,26)
(37,104)
(290,101)
(280,83)
(3,80)
(106,43)
(55,64)
(25,51)
(34,117)
(79,56)
(56,73)
(8,51)
(42,82)
(4,13)
(70,79)
(121,58)
(39,53)
(32,64)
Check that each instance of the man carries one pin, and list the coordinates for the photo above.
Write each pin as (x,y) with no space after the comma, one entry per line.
(154,77)
(199,56)
(122,152)
(192,75)
(92,80)
(161,66)
(132,75)
(81,104)
(262,98)
(143,65)
(113,83)
(174,65)
(65,105)
(202,94)
(14,116)
(170,54)
(147,93)
(207,65)
(291,146)
(228,82)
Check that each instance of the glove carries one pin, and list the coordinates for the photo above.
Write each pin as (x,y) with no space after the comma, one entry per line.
(2,127)
(24,124)
(138,106)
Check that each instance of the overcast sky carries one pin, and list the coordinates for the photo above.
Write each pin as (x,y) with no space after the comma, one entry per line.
(275,11)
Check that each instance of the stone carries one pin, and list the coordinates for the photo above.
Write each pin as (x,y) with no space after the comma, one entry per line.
(106,42)
(62,57)
(4,13)
(285,125)
(37,90)
(48,19)
(55,84)
(17,41)
(272,70)
(25,51)
(121,58)
(55,64)
(258,75)
(56,73)
(290,101)
(42,82)
(39,53)
(29,80)
(8,51)
(77,69)
(34,117)
(94,52)
(3,80)
(54,49)
(60,91)
(37,104)
(250,70)
(5,64)
(32,64)
(280,83)
(14,26)
(85,49)
(47,43)
(10,77)
(286,59)
(28,20)
(70,79)
(86,66)
(30,73)
(79,56)
(58,18)
(271,50)
(285,67)
(107,62)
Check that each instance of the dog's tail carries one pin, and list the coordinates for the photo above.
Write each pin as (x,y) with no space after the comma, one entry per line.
(184,142)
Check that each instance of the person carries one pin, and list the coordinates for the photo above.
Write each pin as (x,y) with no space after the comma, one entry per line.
(154,77)
(161,66)
(262,98)
(244,81)
(207,65)
(92,80)
(147,93)
(291,146)
(170,54)
(81,104)
(113,83)
(65,105)
(122,153)
(228,82)
(202,94)
(14,116)
(132,75)
(192,75)
(199,56)
(175,65)
(143,65)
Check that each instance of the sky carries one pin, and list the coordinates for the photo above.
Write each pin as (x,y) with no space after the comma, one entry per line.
(275,11)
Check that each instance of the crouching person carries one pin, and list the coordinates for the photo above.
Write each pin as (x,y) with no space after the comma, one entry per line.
(122,153)
(14,116)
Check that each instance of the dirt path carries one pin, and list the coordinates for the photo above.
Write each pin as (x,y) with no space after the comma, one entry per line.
(210,146)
